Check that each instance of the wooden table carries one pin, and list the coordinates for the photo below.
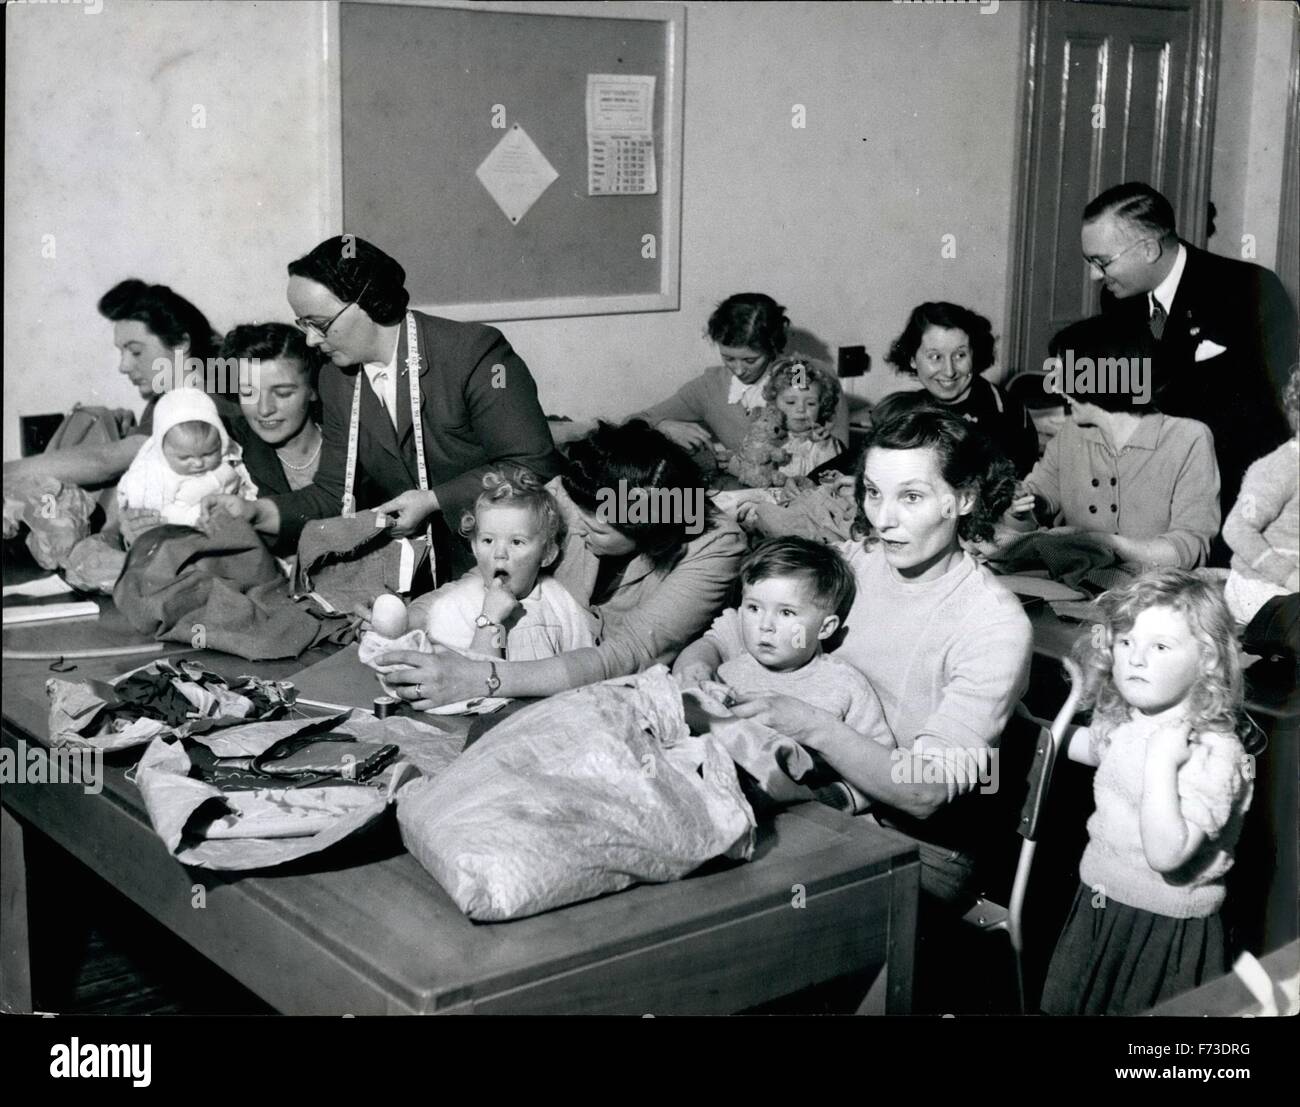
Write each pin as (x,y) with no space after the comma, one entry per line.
(381,937)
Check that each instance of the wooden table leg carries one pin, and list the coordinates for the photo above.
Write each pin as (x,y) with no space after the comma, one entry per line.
(891,991)
(15,956)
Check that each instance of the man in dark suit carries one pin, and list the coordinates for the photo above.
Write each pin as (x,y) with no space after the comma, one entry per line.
(1225,329)
(477,403)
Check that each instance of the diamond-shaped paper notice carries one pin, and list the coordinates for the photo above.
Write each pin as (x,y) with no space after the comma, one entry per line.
(516,173)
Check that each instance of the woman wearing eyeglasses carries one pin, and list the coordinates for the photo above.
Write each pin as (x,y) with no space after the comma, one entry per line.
(473,399)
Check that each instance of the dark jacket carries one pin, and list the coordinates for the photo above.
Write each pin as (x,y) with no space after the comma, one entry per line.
(479,409)
(1237,393)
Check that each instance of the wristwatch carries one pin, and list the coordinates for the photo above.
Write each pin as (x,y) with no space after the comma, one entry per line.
(493,681)
(482,621)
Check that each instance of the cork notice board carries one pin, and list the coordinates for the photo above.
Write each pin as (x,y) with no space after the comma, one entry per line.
(424,92)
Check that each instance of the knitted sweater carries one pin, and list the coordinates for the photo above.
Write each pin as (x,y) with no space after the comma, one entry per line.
(1263,527)
(1214,792)
(704,400)
(948,658)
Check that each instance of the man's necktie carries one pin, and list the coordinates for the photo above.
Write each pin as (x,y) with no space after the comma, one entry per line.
(1158,317)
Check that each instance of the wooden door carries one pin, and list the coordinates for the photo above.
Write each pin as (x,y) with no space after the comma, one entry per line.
(1114,92)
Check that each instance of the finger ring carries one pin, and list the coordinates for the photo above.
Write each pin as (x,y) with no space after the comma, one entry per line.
(419,692)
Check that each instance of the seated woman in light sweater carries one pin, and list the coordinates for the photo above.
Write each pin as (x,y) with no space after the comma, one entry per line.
(1263,527)
(1140,487)
(945,645)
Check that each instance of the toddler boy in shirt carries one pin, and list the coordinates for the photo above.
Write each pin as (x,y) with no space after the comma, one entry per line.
(795,594)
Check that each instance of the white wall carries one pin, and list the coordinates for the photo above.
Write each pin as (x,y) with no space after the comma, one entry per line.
(911,124)
(102,154)
(1250,125)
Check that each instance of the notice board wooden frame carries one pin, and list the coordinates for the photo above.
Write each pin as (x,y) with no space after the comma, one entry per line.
(663,293)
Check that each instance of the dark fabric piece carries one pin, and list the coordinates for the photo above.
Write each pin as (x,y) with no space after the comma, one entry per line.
(1275,629)
(480,409)
(1120,960)
(350,561)
(1071,563)
(179,583)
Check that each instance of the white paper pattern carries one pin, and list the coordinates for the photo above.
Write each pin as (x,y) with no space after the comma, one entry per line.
(516,173)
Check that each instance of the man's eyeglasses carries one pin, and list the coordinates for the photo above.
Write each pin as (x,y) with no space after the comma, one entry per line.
(1102,264)
(310,326)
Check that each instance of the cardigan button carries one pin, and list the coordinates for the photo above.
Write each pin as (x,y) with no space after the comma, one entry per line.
(1113,507)
(1112,482)
(1092,508)
(1095,482)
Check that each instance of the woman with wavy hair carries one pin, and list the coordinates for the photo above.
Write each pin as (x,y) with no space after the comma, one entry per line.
(154,329)
(944,644)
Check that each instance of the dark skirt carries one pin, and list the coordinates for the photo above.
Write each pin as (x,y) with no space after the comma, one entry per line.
(1121,960)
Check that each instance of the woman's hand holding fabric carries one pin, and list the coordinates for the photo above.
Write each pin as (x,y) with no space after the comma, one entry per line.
(789,717)
(410,511)
(432,680)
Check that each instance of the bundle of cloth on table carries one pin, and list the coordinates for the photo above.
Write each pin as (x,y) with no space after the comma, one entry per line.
(574,796)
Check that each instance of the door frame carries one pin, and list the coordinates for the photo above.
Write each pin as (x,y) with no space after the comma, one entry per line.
(1198,141)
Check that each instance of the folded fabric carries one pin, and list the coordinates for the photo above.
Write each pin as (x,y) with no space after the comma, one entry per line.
(172,698)
(349,560)
(580,794)
(222,591)
(776,763)
(1067,559)
(244,828)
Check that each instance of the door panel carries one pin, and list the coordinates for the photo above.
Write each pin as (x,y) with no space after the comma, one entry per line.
(1114,93)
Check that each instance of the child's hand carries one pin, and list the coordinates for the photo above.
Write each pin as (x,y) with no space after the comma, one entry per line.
(1172,743)
(500,602)
(693,675)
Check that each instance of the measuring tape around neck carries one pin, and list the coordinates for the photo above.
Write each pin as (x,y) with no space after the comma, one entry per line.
(349,504)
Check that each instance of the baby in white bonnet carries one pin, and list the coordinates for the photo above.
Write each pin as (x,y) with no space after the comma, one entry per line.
(188,456)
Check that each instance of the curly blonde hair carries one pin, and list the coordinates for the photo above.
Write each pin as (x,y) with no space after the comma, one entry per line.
(514,487)
(1291,398)
(1215,701)
(803,372)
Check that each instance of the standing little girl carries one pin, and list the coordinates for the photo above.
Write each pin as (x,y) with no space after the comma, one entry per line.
(1173,782)
(807,396)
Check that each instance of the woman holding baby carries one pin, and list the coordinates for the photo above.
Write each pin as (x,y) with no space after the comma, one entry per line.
(944,645)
